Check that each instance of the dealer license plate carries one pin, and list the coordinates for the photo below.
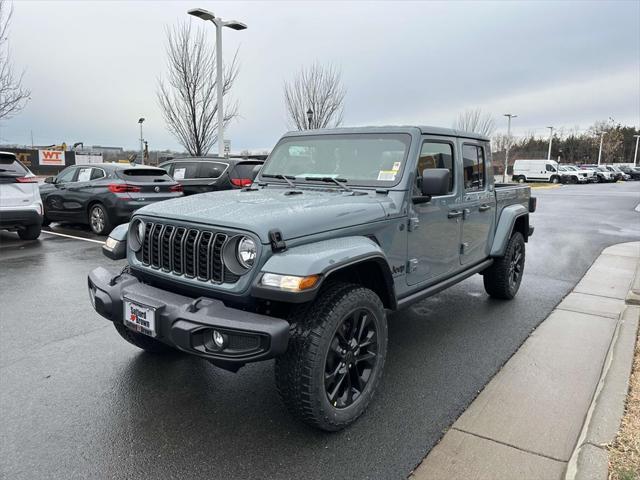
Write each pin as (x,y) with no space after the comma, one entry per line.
(140,318)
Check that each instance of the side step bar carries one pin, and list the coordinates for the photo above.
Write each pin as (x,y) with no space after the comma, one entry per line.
(438,287)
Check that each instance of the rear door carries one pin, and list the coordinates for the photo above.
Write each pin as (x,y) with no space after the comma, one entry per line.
(17,185)
(478,203)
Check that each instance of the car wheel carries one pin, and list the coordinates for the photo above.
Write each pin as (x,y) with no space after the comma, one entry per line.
(146,343)
(30,232)
(502,279)
(554,180)
(597,179)
(573,180)
(99,219)
(335,358)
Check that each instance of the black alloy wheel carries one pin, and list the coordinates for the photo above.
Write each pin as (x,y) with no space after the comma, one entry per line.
(351,359)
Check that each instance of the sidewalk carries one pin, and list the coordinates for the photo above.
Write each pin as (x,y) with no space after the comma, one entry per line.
(548,412)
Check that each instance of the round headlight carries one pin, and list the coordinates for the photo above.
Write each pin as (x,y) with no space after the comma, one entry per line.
(136,235)
(246,252)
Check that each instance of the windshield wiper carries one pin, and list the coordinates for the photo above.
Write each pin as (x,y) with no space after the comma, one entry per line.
(338,181)
(286,178)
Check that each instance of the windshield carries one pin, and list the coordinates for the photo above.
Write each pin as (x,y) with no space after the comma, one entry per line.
(360,159)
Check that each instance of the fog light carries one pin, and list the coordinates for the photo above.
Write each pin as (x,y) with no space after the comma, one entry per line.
(218,339)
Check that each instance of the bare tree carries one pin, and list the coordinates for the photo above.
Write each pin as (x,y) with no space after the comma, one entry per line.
(13,96)
(188,98)
(318,89)
(475,120)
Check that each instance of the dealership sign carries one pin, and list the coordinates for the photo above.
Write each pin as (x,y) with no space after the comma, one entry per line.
(53,158)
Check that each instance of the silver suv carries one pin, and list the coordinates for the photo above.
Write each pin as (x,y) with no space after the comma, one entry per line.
(20,203)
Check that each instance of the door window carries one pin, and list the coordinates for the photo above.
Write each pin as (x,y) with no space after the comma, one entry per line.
(185,170)
(211,169)
(97,173)
(436,155)
(550,168)
(84,174)
(474,172)
(66,175)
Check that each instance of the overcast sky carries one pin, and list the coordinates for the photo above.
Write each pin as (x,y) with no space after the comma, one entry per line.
(93,67)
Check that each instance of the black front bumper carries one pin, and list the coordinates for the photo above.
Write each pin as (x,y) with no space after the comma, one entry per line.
(188,323)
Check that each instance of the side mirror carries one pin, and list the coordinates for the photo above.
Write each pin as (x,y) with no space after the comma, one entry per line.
(435,182)
(50,180)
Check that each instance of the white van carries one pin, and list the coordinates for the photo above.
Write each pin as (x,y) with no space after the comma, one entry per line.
(535,171)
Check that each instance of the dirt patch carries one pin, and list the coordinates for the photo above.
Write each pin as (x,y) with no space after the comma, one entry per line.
(624,454)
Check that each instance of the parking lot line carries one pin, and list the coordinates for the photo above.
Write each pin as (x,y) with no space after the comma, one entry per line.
(71,236)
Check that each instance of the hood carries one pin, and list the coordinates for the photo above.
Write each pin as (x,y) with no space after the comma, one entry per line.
(310,212)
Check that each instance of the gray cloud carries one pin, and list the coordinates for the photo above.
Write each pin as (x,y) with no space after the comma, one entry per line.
(93,66)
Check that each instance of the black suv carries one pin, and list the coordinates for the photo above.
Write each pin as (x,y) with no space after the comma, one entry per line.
(207,174)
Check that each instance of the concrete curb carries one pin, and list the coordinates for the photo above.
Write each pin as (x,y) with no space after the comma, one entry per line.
(590,459)
(552,409)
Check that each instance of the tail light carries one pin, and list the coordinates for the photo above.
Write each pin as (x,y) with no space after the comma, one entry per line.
(122,188)
(176,188)
(241,182)
(26,180)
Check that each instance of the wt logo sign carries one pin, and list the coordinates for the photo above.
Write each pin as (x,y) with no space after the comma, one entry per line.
(51,157)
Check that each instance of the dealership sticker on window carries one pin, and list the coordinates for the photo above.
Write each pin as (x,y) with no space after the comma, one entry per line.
(396,166)
(178,173)
(387,175)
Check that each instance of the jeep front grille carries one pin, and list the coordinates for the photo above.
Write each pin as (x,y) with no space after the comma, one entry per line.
(191,252)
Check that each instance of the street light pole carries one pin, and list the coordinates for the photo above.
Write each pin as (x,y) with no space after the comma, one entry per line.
(309,117)
(550,140)
(635,155)
(219,23)
(602,134)
(506,154)
(141,121)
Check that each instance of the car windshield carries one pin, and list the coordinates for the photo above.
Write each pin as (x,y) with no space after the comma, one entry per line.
(360,159)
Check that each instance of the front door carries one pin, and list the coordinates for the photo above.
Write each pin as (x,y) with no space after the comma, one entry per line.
(435,226)
(478,204)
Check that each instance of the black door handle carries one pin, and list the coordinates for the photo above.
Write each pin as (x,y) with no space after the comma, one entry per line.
(484,208)
(454,214)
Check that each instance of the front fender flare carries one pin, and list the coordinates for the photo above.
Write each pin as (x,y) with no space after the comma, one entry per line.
(320,258)
(506,222)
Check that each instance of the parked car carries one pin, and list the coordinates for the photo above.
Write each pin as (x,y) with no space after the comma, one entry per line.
(340,227)
(536,171)
(207,174)
(104,195)
(20,203)
(617,173)
(571,174)
(633,172)
(601,174)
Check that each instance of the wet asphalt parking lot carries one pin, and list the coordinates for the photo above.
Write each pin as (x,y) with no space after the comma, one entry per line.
(76,401)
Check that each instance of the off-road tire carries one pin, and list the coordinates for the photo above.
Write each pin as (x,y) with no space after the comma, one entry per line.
(30,232)
(144,342)
(300,372)
(497,278)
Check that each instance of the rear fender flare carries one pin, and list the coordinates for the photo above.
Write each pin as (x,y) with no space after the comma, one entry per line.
(505,226)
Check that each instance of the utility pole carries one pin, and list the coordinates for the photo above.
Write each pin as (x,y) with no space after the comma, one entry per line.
(635,155)
(602,134)
(550,140)
(506,154)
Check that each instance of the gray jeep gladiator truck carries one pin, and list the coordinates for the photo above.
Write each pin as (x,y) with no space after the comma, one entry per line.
(340,227)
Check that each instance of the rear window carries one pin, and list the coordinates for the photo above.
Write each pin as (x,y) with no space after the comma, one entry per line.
(144,175)
(246,170)
(11,166)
